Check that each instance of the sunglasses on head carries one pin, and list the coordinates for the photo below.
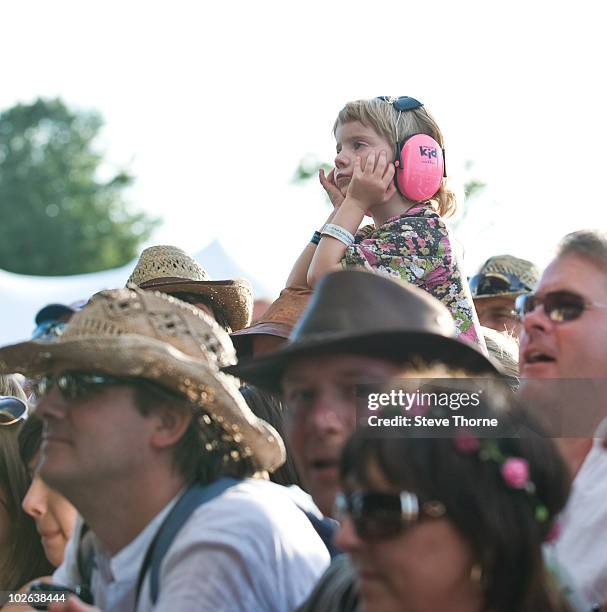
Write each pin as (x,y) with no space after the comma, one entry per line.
(559,306)
(402,103)
(12,410)
(383,515)
(496,284)
(47,330)
(75,385)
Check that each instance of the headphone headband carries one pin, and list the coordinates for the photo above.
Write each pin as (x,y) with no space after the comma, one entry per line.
(401,103)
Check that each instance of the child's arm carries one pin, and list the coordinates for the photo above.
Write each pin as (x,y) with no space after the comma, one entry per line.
(299,274)
(370,186)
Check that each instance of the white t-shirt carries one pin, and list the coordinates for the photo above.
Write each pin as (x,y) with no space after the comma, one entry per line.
(582,546)
(249,549)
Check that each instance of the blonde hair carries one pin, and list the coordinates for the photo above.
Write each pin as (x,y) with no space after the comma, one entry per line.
(396,127)
(503,347)
(9,385)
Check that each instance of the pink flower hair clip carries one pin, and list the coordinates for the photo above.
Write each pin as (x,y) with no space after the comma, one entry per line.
(514,471)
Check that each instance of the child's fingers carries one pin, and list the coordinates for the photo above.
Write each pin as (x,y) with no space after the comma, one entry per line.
(322,178)
(388,174)
(370,163)
(382,162)
(357,166)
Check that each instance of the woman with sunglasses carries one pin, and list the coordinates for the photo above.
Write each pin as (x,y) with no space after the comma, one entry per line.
(21,554)
(453,523)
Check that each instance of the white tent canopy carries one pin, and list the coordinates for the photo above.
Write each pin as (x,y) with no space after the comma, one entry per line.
(23,296)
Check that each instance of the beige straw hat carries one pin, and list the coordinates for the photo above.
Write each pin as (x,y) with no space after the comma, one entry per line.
(151,335)
(171,270)
(504,275)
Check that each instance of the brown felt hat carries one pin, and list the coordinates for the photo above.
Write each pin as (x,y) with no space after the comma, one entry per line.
(368,314)
(151,335)
(171,270)
(278,320)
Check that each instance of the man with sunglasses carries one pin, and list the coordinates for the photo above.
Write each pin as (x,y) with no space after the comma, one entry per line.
(563,366)
(157,449)
(495,287)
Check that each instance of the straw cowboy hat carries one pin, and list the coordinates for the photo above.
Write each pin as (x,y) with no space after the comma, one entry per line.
(368,314)
(504,276)
(151,335)
(278,320)
(170,270)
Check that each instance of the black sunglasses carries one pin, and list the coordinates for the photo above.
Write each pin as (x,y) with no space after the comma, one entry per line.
(496,284)
(75,385)
(559,306)
(12,410)
(402,103)
(383,515)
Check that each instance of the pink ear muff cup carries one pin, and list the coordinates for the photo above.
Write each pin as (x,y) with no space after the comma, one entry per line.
(422,168)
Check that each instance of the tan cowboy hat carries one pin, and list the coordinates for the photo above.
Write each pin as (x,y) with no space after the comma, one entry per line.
(171,270)
(151,335)
(278,320)
(368,314)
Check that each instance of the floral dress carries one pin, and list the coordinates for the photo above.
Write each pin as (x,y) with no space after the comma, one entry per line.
(416,248)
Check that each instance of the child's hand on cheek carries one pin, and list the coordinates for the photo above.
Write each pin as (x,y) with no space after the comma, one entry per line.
(333,191)
(372,185)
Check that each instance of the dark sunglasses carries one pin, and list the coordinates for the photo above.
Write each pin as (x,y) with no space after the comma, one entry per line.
(496,284)
(12,410)
(402,103)
(559,306)
(75,385)
(383,515)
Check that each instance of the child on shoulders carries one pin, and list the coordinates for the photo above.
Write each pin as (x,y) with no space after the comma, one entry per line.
(390,166)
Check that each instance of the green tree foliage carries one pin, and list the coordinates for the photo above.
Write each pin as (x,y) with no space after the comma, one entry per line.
(58,216)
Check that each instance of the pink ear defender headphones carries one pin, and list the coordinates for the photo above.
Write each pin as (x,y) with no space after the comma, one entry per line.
(420,160)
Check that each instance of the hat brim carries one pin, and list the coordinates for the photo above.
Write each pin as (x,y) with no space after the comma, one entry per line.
(233,297)
(130,355)
(512,294)
(398,346)
(243,339)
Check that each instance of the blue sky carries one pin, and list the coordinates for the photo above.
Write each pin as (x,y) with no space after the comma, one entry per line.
(212,105)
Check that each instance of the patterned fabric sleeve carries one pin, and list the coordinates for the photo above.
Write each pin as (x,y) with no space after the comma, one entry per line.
(417,248)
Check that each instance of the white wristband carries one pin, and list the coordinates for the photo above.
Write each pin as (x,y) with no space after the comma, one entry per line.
(338,232)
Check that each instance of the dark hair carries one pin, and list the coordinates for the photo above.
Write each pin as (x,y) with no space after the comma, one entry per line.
(30,438)
(206,451)
(269,408)
(26,558)
(497,521)
(216,309)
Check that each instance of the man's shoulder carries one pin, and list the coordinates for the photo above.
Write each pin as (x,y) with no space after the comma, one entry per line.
(251,508)
(250,526)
